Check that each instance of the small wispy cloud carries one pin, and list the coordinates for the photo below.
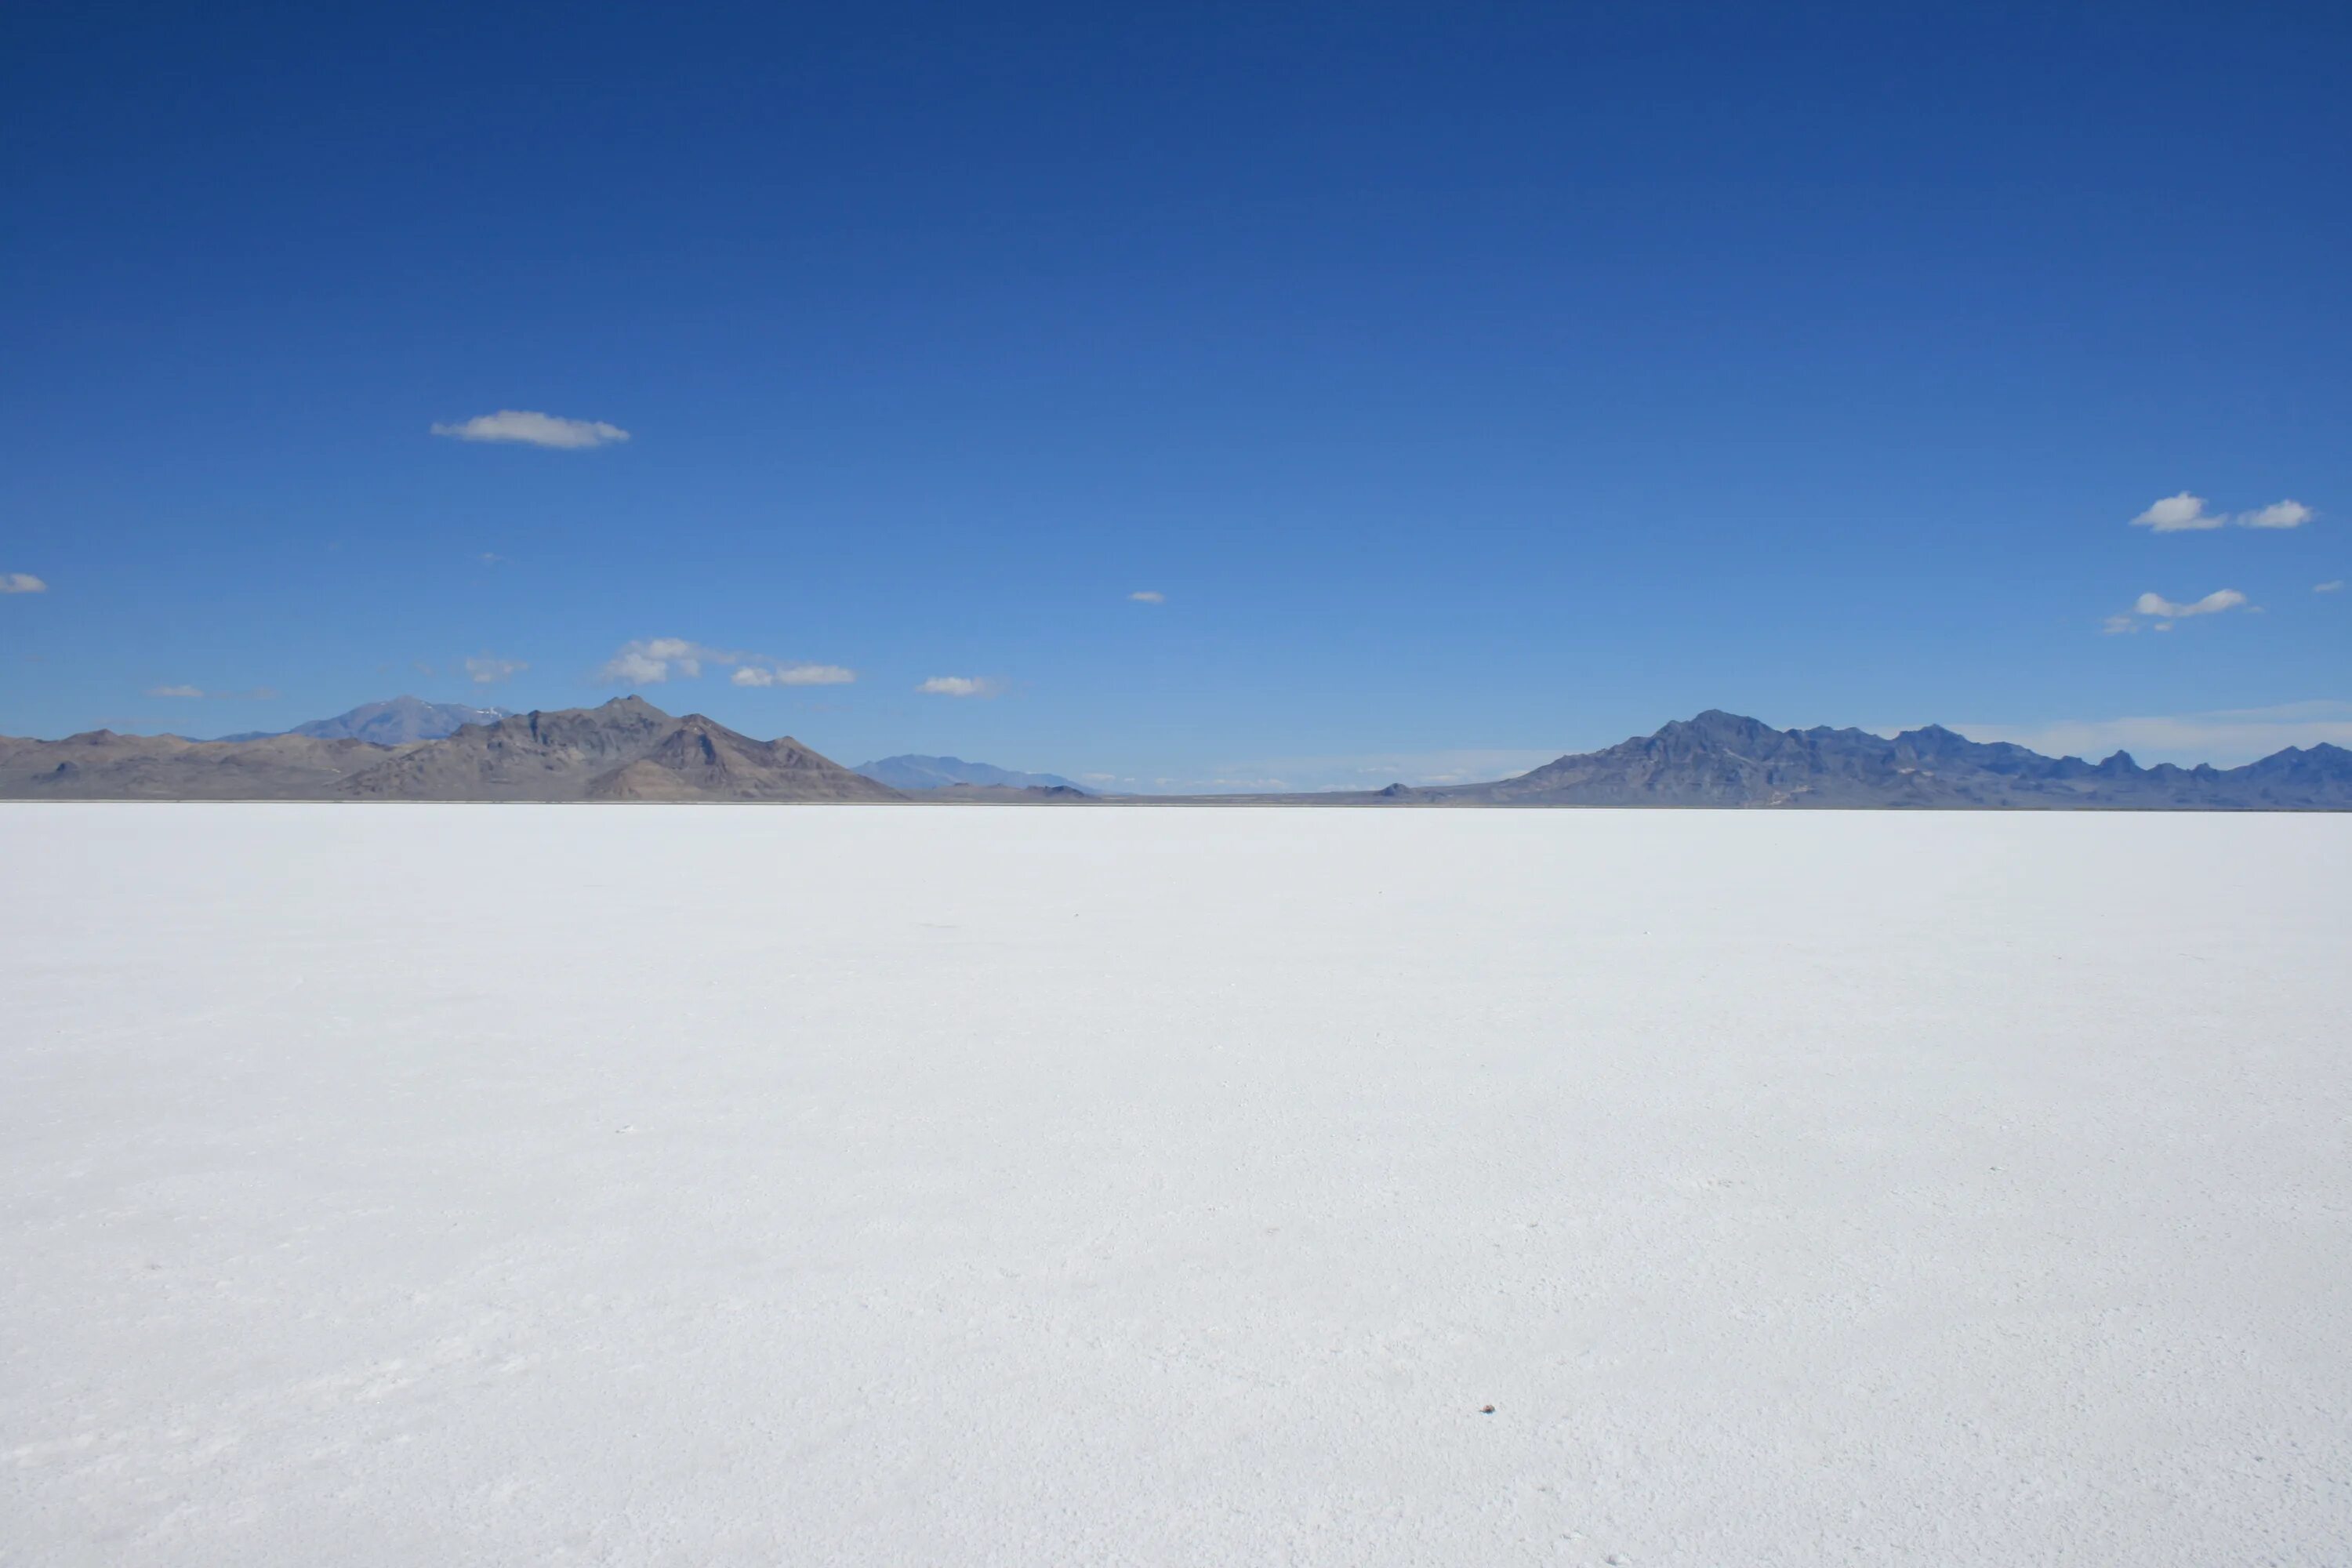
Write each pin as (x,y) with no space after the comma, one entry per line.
(486,669)
(961,686)
(2186,513)
(1148,597)
(21,583)
(491,558)
(531,430)
(2336,586)
(258,694)
(793,675)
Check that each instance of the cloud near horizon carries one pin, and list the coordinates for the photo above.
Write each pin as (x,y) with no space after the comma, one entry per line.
(2335,587)
(21,583)
(488,670)
(258,694)
(532,430)
(793,675)
(2186,513)
(961,686)
(647,662)
(650,661)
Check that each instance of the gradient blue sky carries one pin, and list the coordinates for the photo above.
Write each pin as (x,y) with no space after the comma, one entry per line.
(1473,383)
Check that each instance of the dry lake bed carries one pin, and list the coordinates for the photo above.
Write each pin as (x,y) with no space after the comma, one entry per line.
(412,1185)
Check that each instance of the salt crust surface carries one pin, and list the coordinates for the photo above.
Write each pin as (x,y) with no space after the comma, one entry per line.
(452,1184)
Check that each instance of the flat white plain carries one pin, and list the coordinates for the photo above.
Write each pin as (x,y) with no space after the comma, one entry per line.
(446,1184)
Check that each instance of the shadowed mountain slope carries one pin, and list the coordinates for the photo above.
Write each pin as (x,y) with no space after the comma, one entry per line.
(395,721)
(627,750)
(702,760)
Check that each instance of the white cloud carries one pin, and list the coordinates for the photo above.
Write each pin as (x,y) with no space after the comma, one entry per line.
(535,430)
(2224,738)
(21,583)
(175,691)
(793,675)
(2213,603)
(2177,514)
(2278,514)
(631,668)
(2163,612)
(2335,587)
(2186,513)
(487,671)
(649,661)
(961,686)
(1148,597)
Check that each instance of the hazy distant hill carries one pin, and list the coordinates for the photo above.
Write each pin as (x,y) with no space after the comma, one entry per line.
(394,722)
(1721,759)
(103,765)
(911,772)
(1000,794)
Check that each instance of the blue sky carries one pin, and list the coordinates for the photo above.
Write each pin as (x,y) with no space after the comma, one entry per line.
(1472,383)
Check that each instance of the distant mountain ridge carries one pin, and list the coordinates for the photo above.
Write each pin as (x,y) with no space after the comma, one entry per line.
(102,765)
(1720,759)
(911,772)
(393,722)
(625,749)
(628,750)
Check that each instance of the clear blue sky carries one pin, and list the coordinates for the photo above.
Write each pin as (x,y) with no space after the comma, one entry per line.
(1467,379)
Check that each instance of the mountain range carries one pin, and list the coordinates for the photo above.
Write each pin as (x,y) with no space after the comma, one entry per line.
(628,750)
(1720,759)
